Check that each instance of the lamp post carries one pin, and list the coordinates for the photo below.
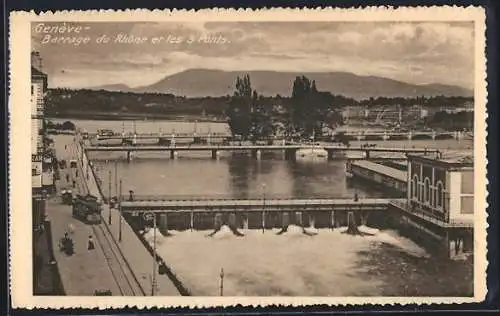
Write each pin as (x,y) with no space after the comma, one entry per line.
(222,282)
(147,216)
(120,211)
(263,206)
(116,179)
(109,198)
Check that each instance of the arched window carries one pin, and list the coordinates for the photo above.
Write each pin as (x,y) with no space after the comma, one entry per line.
(439,194)
(414,187)
(427,190)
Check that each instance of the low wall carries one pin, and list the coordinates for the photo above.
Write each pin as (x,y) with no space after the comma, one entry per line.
(89,174)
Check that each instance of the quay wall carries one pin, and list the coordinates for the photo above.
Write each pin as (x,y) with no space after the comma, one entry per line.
(93,185)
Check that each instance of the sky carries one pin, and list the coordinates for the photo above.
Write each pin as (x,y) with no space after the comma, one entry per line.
(413,52)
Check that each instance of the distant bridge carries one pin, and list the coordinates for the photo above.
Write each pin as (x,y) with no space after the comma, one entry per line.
(351,135)
(161,135)
(256,150)
(403,135)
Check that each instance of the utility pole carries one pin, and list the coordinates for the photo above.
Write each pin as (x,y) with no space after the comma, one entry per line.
(263,206)
(154,256)
(147,217)
(120,210)
(222,282)
(109,198)
(116,179)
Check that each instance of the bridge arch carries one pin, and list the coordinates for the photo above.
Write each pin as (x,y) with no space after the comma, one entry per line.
(414,186)
(427,190)
(438,201)
(444,136)
(418,136)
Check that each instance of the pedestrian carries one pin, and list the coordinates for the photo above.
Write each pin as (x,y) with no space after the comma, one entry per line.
(71,228)
(90,244)
(67,177)
(65,147)
(74,184)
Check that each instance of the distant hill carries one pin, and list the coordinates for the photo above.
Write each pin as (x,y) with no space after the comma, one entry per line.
(204,82)
(113,87)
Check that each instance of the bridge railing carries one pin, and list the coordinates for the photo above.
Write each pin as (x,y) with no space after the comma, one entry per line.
(406,207)
(228,197)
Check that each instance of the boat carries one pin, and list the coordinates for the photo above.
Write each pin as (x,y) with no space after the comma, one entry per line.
(104,132)
(312,154)
(315,152)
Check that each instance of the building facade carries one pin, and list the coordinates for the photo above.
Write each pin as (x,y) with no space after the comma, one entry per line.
(38,169)
(38,88)
(442,186)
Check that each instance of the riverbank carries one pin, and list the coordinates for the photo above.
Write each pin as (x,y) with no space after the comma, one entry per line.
(121,116)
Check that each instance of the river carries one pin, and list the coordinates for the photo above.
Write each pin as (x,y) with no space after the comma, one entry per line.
(328,264)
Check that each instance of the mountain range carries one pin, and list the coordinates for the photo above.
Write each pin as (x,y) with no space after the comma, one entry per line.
(205,82)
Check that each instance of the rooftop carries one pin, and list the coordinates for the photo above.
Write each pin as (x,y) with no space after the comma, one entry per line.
(37,73)
(387,171)
(457,158)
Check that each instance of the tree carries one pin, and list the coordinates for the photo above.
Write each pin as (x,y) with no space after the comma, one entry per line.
(239,109)
(67,125)
(312,110)
(261,118)
(247,115)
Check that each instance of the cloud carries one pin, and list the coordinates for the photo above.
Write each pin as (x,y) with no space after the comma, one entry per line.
(414,52)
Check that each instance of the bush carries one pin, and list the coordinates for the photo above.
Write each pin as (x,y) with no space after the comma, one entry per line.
(68,126)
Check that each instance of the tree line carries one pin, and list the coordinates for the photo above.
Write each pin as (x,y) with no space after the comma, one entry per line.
(84,100)
(451,121)
(305,114)
(65,126)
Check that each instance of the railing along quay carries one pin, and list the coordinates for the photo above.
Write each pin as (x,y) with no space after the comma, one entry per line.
(257,205)
(224,197)
(403,205)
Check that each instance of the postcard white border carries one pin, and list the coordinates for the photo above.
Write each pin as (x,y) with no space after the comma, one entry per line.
(20,162)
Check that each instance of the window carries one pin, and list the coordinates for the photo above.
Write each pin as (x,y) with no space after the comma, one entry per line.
(427,189)
(439,195)
(414,187)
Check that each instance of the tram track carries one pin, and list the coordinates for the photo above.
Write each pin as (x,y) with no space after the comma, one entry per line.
(122,274)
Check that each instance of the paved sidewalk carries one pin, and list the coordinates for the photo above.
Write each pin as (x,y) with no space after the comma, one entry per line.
(85,271)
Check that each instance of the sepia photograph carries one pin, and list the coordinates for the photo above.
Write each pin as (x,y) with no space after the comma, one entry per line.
(256,158)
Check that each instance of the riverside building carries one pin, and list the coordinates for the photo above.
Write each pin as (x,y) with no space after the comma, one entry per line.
(441,190)
(442,185)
